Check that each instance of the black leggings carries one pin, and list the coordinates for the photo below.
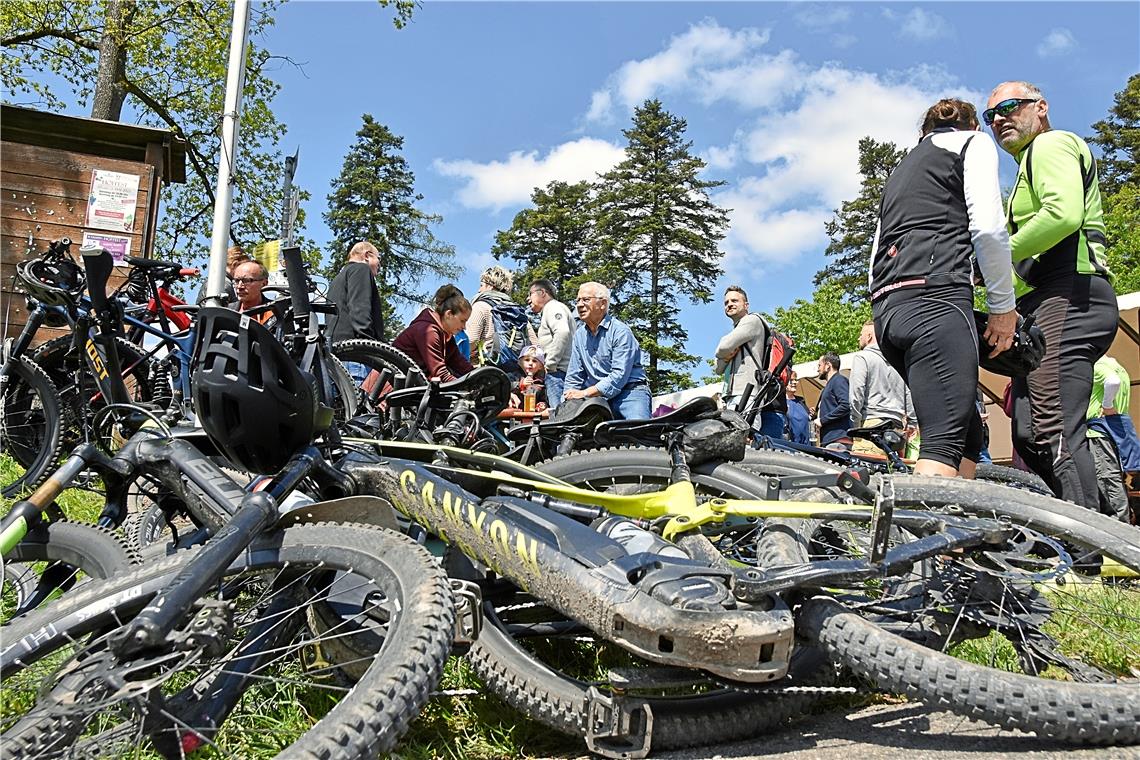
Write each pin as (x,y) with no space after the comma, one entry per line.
(1078,318)
(928,335)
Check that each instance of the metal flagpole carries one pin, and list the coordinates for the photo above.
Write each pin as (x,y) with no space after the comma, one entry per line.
(231,117)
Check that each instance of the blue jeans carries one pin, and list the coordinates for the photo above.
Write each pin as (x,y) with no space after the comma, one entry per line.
(555,384)
(631,403)
(357,371)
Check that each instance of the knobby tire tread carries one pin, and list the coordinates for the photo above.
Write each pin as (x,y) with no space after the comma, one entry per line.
(26,371)
(376,713)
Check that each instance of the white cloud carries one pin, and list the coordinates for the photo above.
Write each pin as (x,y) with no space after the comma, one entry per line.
(499,184)
(822,17)
(843,40)
(919,25)
(1056,42)
(678,67)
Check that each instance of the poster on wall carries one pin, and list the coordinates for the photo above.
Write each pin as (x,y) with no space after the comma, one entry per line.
(113,200)
(119,246)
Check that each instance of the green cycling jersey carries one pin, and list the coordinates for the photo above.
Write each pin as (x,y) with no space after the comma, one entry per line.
(1054,212)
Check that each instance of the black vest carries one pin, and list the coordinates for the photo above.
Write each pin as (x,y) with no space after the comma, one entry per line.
(924,233)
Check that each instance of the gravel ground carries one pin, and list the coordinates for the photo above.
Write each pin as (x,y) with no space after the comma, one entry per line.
(907,731)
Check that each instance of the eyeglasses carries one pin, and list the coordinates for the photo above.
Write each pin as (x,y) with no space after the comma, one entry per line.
(247,280)
(585,299)
(1005,108)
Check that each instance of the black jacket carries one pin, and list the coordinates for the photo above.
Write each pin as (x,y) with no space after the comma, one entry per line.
(358,315)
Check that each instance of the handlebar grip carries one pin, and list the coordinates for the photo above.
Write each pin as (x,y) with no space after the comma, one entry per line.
(298,282)
(98,264)
(189,272)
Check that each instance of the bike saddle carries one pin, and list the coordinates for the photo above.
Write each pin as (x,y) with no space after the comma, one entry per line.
(141,263)
(649,432)
(865,432)
(582,416)
(488,387)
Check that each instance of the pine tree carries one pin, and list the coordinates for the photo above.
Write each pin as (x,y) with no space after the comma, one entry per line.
(374,199)
(658,235)
(852,230)
(551,239)
(1119,138)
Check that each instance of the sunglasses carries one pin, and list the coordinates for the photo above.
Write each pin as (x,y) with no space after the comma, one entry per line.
(1005,108)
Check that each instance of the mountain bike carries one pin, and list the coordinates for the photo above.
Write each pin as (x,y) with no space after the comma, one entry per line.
(177,654)
(927,565)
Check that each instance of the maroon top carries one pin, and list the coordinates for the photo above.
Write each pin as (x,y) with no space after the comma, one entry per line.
(432,349)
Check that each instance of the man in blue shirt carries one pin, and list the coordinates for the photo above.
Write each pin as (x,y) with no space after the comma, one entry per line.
(834,405)
(606,358)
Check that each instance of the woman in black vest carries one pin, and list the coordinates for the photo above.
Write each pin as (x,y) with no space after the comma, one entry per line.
(942,205)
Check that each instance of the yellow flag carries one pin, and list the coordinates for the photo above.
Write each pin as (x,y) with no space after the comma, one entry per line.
(268,254)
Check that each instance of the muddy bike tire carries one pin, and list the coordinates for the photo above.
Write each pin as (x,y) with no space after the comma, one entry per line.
(300,566)
(1091,698)
(93,552)
(30,429)
(559,699)
(1011,476)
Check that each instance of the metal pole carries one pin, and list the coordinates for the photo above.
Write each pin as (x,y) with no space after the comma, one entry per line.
(231,118)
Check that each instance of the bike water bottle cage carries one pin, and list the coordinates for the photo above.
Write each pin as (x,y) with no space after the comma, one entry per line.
(257,407)
(56,281)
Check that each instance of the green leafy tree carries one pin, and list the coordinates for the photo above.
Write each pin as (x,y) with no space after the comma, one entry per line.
(1118,136)
(852,230)
(658,239)
(162,63)
(374,199)
(824,323)
(552,238)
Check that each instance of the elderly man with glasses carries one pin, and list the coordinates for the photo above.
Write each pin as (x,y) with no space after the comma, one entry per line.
(1057,241)
(606,359)
(249,278)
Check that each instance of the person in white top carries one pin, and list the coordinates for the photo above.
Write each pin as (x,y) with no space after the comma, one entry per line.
(555,335)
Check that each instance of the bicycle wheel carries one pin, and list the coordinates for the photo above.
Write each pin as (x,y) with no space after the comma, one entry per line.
(545,665)
(245,654)
(55,557)
(29,426)
(1017,633)
(1009,476)
(79,394)
(377,355)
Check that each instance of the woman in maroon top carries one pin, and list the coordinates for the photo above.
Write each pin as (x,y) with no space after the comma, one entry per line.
(430,338)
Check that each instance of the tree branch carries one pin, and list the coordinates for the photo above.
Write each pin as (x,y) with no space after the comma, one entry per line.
(63,34)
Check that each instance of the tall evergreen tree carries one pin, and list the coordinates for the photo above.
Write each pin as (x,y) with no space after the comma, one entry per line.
(658,234)
(852,230)
(1119,138)
(551,239)
(374,199)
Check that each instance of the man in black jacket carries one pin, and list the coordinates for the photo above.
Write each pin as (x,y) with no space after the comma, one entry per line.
(353,290)
(834,405)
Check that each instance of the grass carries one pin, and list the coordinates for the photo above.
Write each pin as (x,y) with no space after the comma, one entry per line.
(479,726)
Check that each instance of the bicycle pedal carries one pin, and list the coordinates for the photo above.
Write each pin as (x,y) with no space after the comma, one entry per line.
(618,726)
(468,614)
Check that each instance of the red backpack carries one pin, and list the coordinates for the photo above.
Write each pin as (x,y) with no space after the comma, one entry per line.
(775,370)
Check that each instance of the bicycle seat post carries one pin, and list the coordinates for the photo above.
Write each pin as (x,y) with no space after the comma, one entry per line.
(674,440)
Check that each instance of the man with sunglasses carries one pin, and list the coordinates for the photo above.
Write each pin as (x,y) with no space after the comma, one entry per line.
(1057,241)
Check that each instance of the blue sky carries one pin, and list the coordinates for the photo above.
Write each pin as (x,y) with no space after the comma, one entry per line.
(496,98)
(493,99)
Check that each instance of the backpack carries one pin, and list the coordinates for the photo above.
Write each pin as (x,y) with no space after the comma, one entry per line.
(774,372)
(510,323)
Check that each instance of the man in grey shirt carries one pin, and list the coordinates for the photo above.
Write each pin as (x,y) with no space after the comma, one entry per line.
(555,335)
(877,391)
(737,355)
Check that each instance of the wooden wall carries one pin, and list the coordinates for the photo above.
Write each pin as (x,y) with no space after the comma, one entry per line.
(43,197)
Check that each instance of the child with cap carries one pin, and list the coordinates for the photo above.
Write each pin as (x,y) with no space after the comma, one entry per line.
(532,360)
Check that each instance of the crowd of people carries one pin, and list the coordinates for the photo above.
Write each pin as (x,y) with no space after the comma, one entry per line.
(942,230)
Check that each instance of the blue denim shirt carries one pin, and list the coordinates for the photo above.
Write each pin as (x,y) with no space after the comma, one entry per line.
(610,359)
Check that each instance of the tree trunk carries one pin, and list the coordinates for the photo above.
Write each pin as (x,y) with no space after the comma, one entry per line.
(654,323)
(110,90)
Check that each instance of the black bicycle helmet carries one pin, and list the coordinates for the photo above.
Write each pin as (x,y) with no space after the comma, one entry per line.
(255,404)
(1021,358)
(54,281)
